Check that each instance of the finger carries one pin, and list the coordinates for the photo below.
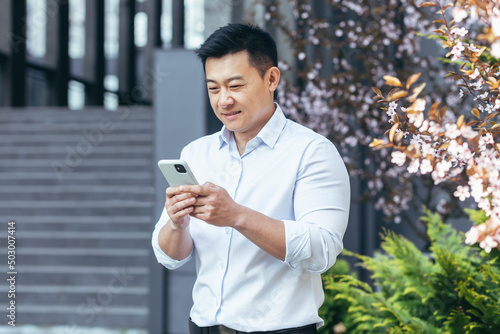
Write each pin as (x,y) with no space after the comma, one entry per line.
(183,196)
(173,191)
(203,190)
(181,205)
(202,201)
(179,214)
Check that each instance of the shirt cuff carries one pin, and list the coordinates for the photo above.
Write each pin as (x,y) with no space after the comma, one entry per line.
(298,242)
(163,258)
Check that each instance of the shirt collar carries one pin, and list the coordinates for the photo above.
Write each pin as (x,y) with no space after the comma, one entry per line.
(269,134)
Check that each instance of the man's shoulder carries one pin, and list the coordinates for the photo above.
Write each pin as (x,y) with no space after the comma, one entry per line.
(204,143)
(206,140)
(300,133)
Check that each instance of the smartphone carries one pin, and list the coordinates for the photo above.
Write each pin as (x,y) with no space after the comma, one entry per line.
(177,172)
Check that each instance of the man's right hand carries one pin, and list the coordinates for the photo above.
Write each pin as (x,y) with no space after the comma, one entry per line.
(179,205)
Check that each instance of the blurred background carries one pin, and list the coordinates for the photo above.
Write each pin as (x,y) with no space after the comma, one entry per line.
(92,94)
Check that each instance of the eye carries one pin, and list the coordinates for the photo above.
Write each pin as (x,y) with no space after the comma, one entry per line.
(235,86)
(213,89)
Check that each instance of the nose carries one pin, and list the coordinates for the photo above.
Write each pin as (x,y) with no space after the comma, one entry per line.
(225,99)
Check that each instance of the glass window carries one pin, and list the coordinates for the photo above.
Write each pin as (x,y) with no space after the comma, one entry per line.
(112,29)
(141,29)
(77,29)
(166,22)
(76,95)
(37,91)
(110,101)
(111,82)
(194,25)
(36,33)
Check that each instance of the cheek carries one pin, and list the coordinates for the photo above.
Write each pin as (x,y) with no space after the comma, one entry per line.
(213,101)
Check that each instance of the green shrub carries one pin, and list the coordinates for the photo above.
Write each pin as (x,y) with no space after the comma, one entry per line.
(453,289)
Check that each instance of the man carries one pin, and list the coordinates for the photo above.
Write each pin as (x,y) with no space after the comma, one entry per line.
(273,206)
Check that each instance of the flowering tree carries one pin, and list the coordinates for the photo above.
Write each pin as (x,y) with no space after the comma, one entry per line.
(464,151)
(341,50)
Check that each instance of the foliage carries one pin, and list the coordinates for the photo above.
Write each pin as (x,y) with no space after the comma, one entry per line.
(340,50)
(462,151)
(334,311)
(454,289)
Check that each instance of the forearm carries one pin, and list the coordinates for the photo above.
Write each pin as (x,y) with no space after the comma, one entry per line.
(175,242)
(265,232)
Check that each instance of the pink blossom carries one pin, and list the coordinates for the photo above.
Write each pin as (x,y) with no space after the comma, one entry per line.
(413,166)
(419,105)
(467,132)
(486,139)
(391,111)
(495,25)
(473,48)
(459,32)
(488,244)
(485,205)
(416,119)
(425,166)
(472,236)
(398,158)
(452,131)
(474,75)
(462,192)
(476,186)
(478,85)
(457,51)
(440,171)
(459,14)
(495,49)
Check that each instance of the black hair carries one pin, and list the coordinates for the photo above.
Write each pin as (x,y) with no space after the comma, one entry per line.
(237,37)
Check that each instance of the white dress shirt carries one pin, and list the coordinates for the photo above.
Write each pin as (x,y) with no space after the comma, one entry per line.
(289,173)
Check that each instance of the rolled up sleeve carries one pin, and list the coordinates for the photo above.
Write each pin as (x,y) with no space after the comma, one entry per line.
(321,208)
(161,257)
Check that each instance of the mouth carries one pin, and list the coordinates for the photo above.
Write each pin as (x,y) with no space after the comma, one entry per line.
(232,113)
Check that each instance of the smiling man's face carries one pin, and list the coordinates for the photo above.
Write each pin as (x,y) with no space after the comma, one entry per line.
(239,96)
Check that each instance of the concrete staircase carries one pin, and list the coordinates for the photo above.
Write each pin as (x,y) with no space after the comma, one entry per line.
(80,187)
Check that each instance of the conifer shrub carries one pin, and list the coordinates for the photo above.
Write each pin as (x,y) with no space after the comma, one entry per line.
(453,288)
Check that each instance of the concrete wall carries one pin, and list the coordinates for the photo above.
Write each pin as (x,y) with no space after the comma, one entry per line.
(180,111)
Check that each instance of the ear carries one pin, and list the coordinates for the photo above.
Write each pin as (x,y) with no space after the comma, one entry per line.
(273,78)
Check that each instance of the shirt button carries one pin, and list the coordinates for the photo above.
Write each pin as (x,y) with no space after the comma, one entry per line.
(228,230)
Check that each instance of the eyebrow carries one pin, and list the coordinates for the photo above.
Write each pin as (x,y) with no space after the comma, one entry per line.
(236,77)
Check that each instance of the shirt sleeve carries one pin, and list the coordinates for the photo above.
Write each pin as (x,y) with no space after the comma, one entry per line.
(321,206)
(161,257)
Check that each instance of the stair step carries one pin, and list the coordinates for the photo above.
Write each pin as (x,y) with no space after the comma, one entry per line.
(75,204)
(56,276)
(63,188)
(71,127)
(77,309)
(75,175)
(60,148)
(80,187)
(84,242)
(68,138)
(82,219)
(84,260)
(77,318)
(83,270)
